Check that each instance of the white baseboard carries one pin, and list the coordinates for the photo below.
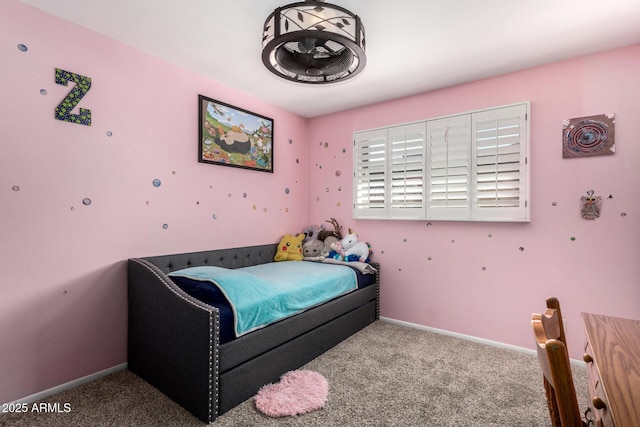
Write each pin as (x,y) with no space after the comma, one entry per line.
(71,384)
(472,338)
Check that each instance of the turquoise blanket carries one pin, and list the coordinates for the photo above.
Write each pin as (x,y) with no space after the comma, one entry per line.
(265,293)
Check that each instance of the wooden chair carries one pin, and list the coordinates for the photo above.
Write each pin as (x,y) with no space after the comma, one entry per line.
(548,332)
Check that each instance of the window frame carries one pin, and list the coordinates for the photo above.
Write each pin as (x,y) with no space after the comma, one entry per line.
(452,169)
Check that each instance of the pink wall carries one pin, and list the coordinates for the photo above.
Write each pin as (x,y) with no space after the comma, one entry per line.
(63,286)
(472,278)
(63,306)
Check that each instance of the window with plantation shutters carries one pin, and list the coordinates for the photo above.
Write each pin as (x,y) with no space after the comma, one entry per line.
(470,166)
(406,159)
(449,168)
(499,162)
(370,176)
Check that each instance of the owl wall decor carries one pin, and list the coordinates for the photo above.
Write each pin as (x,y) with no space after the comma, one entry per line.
(590,206)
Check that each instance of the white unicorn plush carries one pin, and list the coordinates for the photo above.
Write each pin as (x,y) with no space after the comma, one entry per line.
(353,249)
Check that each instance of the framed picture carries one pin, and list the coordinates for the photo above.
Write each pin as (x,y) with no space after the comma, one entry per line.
(232,136)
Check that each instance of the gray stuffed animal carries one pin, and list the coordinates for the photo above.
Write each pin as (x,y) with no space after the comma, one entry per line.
(312,249)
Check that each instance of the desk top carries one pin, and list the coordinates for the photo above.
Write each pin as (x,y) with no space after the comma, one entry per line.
(616,349)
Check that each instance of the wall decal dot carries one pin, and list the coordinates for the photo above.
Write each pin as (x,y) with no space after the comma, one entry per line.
(340,188)
(484,268)
(326,145)
(109,133)
(453,241)
(147,203)
(573,239)
(244,195)
(254,207)
(157,183)
(286,191)
(429,224)
(521,249)
(290,141)
(43,91)
(623,214)
(490,235)
(264,210)
(320,143)
(317,199)
(15,188)
(297,160)
(338,173)
(428,258)
(344,150)
(320,167)
(23,48)
(86,201)
(72,208)
(214,216)
(326,189)
(286,210)
(610,196)
(228,194)
(173,172)
(554,204)
(338,204)
(165,226)
(211,187)
(197,202)
(404,240)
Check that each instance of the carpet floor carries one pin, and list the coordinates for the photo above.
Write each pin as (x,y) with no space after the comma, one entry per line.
(385,375)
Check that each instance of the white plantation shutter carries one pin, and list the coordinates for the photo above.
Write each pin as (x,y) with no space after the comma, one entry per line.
(449,169)
(406,154)
(465,167)
(499,137)
(370,177)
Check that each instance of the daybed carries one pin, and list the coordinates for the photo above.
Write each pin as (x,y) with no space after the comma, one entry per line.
(174,338)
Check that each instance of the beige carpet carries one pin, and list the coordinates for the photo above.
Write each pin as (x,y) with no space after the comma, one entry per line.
(385,375)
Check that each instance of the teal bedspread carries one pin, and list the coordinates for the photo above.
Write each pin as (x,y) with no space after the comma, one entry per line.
(265,293)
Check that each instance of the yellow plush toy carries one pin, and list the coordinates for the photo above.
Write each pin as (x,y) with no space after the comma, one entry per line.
(290,248)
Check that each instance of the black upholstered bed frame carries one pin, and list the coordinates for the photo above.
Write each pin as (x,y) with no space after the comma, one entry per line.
(173,338)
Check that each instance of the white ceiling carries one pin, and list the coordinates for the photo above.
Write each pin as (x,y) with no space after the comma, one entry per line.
(413,46)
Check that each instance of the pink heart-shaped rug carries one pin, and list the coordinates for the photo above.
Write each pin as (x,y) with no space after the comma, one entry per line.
(298,392)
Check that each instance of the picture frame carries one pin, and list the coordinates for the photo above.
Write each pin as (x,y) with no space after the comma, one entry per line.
(233,136)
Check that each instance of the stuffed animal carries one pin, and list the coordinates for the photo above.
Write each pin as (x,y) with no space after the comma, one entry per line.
(327,245)
(311,232)
(337,252)
(290,248)
(353,249)
(337,230)
(312,249)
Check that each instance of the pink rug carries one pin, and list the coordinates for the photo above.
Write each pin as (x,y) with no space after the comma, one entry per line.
(298,392)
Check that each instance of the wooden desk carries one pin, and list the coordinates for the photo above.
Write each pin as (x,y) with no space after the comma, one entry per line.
(612,354)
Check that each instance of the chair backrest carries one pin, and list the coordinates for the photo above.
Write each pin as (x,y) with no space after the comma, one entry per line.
(562,402)
(552,302)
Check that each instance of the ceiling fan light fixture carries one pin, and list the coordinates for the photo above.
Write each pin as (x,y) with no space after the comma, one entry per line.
(313,42)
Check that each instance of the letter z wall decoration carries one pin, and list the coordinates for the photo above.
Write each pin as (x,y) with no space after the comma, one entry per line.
(63,110)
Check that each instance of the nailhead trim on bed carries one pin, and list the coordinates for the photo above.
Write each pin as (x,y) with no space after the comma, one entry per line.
(214,357)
